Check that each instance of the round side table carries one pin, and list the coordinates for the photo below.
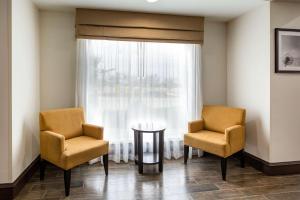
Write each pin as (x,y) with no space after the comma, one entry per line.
(157,156)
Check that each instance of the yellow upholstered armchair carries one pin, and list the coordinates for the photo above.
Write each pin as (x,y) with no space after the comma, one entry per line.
(66,141)
(220,132)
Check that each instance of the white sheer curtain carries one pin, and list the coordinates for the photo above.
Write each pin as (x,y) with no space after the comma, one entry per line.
(121,83)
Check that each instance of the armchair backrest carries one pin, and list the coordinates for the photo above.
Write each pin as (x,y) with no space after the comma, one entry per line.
(67,122)
(218,118)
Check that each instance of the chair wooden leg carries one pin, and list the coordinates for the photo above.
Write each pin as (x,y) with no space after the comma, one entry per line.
(223,168)
(242,159)
(67,179)
(186,153)
(42,169)
(105,163)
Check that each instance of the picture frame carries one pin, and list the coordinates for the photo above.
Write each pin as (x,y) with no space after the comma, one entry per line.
(287,50)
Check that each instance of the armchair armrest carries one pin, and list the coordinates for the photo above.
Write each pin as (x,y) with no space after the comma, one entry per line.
(235,137)
(52,145)
(195,126)
(93,131)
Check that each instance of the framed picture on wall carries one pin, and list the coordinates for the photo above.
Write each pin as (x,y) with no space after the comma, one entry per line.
(287,50)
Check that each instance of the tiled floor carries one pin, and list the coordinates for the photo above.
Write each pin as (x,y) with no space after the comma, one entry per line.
(200,179)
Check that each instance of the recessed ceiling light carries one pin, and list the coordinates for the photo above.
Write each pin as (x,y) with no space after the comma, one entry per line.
(152,1)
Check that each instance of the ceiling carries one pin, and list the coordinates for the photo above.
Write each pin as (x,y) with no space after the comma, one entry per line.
(222,10)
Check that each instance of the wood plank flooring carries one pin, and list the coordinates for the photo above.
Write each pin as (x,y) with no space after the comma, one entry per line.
(199,179)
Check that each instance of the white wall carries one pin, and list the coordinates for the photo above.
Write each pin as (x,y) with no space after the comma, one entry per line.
(214,63)
(25,85)
(58,46)
(5,86)
(285,92)
(248,75)
(58,49)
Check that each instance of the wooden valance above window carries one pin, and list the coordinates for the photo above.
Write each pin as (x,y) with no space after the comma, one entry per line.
(124,25)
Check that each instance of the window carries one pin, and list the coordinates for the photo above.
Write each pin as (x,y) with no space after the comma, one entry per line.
(121,83)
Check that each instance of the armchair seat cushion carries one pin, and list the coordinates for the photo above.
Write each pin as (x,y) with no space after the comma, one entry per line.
(82,149)
(210,141)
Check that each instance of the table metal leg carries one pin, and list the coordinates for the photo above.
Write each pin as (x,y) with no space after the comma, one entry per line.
(140,152)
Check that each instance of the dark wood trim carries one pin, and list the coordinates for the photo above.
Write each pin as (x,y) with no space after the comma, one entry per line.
(273,169)
(6,191)
(10,190)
